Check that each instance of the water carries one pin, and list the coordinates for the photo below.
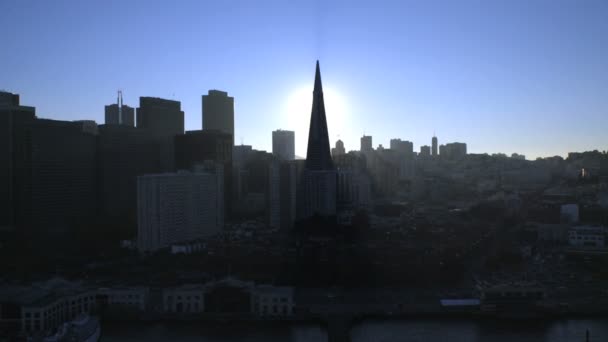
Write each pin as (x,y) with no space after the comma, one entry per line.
(154,332)
(571,330)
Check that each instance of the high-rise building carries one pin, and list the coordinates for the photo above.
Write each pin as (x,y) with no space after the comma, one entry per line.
(241,154)
(318,156)
(13,118)
(119,113)
(404,153)
(338,150)
(434,146)
(403,148)
(123,154)
(287,194)
(176,207)
(9,99)
(274,194)
(283,144)
(366,143)
(518,156)
(59,175)
(354,184)
(197,147)
(218,112)
(266,187)
(319,178)
(442,151)
(425,151)
(385,170)
(163,119)
(455,150)
(112,115)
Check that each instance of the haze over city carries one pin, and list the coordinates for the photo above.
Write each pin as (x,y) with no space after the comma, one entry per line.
(516,76)
(339,171)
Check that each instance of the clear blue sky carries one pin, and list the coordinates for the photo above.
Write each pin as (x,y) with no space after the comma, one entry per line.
(525,76)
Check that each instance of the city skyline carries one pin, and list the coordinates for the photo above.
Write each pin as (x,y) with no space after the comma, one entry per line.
(512,88)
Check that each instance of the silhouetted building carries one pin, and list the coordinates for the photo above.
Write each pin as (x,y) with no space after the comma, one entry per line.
(385,170)
(59,174)
(13,118)
(196,147)
(455,150)
(351,161)
(434,147)
(259,194)
(163,119)
(287,194)
(176,207)
(283,144)
(366,143)
(319,178)
(274,194)
(442,151)
(354,183)
(241,154)
(123,154)
(338,150)
(518,156)
(112,115)
(160,116)
(120,114)
(425,151)
(218,112)
(403,157)
(403,148)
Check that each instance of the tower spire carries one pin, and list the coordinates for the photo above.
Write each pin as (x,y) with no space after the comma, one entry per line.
(318,85)
(318,156)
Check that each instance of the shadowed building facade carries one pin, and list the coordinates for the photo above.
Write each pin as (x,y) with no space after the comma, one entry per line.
(283,144)
(124,153)
(197,147)
(13,118)
(218,112)
(177,207)
(163,119)
(318,185)
(120,115)
(58,178)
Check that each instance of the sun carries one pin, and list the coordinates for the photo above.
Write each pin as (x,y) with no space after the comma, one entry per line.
(297,109)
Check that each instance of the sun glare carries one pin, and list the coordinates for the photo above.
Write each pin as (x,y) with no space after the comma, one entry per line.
(296,115)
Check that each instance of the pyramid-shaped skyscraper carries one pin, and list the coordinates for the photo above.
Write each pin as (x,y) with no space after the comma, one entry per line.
(318,155)
(318,187)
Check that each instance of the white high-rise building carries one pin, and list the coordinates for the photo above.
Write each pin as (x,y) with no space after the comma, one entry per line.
(177,207)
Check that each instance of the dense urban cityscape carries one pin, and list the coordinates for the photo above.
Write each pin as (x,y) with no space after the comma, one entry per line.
(136,219)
